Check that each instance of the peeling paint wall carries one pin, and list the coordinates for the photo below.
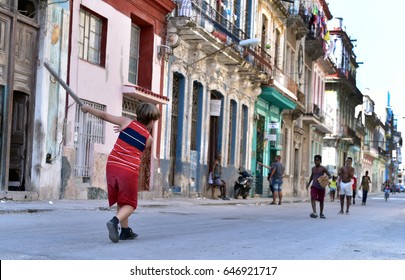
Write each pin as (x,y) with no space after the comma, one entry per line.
(48,132)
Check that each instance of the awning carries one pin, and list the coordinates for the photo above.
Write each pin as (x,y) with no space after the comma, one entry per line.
(144,94)
(276,98)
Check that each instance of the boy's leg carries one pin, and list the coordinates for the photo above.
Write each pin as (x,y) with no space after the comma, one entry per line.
(313,204)
(123,213)
(321,205)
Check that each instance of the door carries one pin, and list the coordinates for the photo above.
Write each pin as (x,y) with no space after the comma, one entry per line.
(259,153)
(297,166)
(177,84)
(212,150)
(18,141)
(215,128)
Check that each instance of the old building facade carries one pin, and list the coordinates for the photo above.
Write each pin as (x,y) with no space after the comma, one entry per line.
(343,97)
(31,104)
(247,79)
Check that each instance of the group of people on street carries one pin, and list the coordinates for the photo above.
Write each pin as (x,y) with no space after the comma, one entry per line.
(135,136)
(345,184)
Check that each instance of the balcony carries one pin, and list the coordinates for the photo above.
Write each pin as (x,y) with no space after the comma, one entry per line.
(315,47)
(370,150)
(285,83)
(212,26)
(143,94)
(297,19)
(319,119)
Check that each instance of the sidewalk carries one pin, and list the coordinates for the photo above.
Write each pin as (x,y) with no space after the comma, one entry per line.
(9,206)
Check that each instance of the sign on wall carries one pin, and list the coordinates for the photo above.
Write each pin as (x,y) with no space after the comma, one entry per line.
(215,107)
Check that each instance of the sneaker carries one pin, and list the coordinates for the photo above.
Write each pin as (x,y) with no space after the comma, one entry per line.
(322,216)
(313,215)
(225,198)
(127,234)
(340,212)
(112,227)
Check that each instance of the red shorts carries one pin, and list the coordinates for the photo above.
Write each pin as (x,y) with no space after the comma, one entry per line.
(317,194)
(122,186)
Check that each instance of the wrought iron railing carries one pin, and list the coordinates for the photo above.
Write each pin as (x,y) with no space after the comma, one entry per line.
(233,22)
(231,26)
(285,80)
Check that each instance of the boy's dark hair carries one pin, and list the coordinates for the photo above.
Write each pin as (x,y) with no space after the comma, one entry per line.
(147,112)
(318,157)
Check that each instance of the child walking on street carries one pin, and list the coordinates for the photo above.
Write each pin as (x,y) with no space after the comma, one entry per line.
(332,188)
(317,190)
(123,164)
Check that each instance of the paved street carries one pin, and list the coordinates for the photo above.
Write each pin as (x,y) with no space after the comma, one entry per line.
(201,229)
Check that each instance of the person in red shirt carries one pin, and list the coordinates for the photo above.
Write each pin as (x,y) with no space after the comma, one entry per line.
(354,188)
(123,164)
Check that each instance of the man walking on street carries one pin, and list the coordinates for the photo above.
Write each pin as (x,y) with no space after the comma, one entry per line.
(346,174)
(276,179)
(365,187)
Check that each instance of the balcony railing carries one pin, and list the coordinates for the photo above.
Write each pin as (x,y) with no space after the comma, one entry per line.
(285,81)
(323,118)
(227,25)
(233,22)
(342,73)
(259,58)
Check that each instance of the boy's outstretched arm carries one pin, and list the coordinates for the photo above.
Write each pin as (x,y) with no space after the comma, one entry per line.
(118,120)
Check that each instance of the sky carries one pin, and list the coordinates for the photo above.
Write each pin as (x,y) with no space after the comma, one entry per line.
(377,27)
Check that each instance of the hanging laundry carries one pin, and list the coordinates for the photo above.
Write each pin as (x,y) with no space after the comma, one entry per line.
(326,37)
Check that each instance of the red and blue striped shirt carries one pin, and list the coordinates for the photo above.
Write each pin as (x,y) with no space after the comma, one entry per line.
(129,147)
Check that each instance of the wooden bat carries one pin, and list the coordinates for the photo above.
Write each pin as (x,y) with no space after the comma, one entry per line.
(63,84)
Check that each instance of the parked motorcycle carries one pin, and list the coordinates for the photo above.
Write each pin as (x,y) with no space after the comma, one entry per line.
(243,185)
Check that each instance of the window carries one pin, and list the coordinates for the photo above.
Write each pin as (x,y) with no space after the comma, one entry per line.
(3,32)
(277,49)
(134,54)
(194,145)
(88,130)
(243,134)
(92,37)
(232,132)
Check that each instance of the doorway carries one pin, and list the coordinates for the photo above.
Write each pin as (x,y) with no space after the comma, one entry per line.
(18,142)
(215,127)
(296,172)
(259,152)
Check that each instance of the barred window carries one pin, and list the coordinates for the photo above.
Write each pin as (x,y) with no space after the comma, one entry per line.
(88,130)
